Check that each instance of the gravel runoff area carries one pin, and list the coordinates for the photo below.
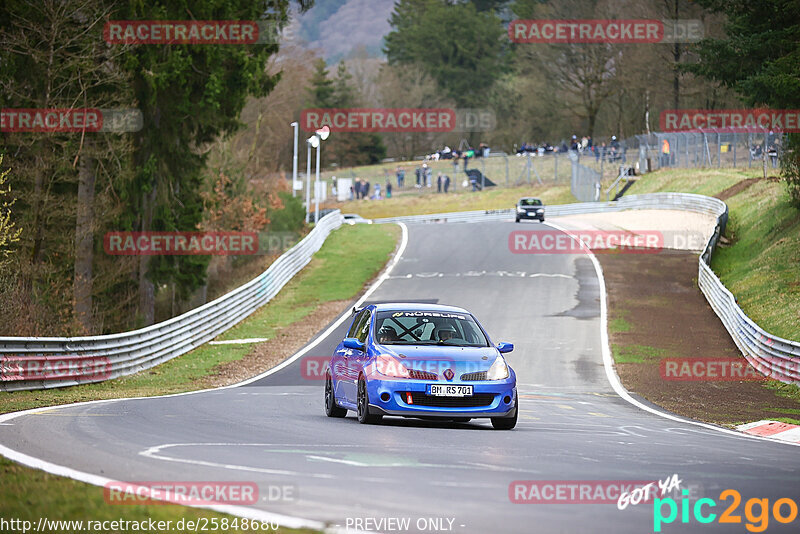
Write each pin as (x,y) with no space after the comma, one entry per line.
(657,312)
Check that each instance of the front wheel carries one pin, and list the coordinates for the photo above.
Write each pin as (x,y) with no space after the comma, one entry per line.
(364,417)
(331,408)
(517,219)
(507,423)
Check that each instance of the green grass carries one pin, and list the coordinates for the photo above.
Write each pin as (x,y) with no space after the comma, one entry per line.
(28,494)
(790,391)
(762,266)
(350,257)
(618,325)
(699,181)
(636,353)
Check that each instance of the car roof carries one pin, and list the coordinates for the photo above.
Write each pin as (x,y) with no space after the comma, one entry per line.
(530,198)
(417,306)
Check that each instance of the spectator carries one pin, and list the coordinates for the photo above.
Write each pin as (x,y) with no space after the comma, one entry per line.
(467,154)
(358,188)
(388,189)
(333,190)
(614,147)
(428,174)
(772,152)
(377,191)
(446,183)
(439,183)
(352,192)
(665,152)
(365,192)
(418,173)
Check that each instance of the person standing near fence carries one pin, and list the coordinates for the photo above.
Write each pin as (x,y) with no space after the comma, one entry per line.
(388,189)
(665,153)
(439,183)
(772,152)
(401,177)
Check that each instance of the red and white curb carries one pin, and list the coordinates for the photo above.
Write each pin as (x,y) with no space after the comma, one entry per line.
(772,429)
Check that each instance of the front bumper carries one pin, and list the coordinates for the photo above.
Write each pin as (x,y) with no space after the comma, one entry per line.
(389,397)
(530,215)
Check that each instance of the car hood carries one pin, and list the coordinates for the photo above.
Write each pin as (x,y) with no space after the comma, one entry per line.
(436,359)
(425,352)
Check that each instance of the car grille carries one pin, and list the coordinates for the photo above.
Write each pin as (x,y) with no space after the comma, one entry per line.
(416,374)
(421,399)
(480,375)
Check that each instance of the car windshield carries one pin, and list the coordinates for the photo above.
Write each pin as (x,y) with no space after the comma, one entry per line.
(530,202)
(428,328)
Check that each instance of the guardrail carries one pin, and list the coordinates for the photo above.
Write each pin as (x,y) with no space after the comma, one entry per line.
(40,362)
(773,356)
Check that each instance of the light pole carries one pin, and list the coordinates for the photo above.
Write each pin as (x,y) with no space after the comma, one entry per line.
(294,160)
(309,143)
(321,134)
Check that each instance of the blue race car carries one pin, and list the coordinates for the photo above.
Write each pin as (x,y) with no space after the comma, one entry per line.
(420,360)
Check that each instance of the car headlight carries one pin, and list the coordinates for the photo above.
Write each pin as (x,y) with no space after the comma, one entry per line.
(520,209)
(389,366)
(539,211)
(498,370)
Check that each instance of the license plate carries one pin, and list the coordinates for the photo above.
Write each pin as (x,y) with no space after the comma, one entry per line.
(438,390)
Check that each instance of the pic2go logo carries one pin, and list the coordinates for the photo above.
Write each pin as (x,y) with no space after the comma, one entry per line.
(758,521)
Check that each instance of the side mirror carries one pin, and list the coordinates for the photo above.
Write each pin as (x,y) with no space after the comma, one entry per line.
(353,343)
(505,347)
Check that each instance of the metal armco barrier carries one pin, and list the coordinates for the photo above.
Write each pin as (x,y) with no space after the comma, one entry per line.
(40,363)
(773,356)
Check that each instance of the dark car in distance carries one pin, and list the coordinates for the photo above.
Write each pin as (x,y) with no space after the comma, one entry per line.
(530,208)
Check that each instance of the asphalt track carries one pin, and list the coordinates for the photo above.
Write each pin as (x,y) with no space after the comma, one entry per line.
(573,426)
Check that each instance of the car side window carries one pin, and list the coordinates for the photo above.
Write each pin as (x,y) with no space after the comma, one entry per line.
(363,327)
(356,321)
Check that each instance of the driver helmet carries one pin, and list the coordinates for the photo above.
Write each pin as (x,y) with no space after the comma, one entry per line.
(446,332)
